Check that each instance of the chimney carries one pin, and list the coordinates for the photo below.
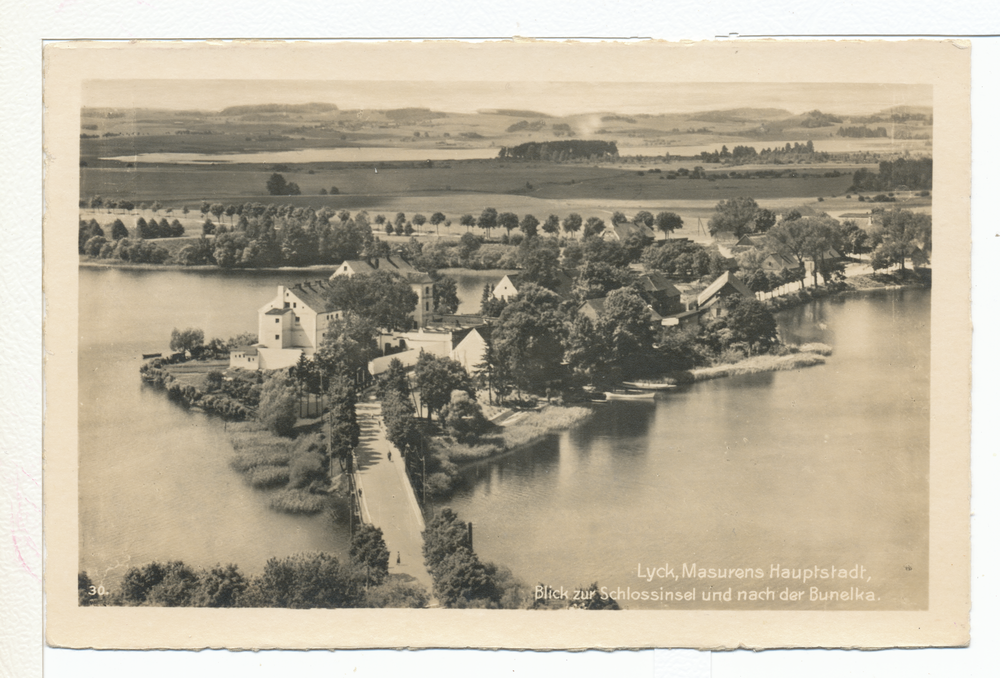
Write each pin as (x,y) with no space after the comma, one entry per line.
(281,296)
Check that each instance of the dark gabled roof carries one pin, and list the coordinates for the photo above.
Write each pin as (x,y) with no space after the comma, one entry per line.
(278,311)
(598,306)
(564,283)
(719,283)
(314,295)
(397,265)
(249,350)
(657,282)
(627,228)
(783,258)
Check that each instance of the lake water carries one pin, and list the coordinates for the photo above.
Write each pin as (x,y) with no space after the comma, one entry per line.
(344,154)
(822,466)
(394,154)
(154,478)
(819,466)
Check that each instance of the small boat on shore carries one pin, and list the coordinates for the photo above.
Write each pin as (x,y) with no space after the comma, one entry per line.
(649,385)
(629,395)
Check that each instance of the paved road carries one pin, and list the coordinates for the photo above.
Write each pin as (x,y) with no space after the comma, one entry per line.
(387,499)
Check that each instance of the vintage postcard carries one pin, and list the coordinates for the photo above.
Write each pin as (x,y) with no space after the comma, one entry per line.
(507,345)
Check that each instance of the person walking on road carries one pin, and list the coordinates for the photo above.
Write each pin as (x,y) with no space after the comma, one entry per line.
(390,456)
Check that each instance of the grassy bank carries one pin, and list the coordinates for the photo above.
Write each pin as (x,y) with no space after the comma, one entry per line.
(525,428)
(808,355)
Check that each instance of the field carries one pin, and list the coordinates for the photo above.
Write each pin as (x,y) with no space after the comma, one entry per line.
(456,187)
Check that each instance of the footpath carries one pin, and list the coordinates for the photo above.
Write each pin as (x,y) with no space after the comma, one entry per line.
(387,499)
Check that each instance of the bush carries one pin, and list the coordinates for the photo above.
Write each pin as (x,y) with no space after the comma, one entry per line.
(267,476)
(305,468)
(297,501)
(278,405)
(397,594)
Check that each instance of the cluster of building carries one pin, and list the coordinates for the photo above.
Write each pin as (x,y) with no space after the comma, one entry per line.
(296,321)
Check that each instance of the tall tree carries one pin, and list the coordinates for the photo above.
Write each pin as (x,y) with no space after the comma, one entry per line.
(668,222)
(384,298)
(508,221)
(529,226)
(551,225)
(437,377)
(735,215)
(528,338)
(487,220)
(370,554)
(572,223)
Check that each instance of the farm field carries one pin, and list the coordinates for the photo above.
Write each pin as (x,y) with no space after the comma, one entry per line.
(175,184)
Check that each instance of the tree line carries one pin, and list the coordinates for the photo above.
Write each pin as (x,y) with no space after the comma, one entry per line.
(299,581)
(562,150)
(913,173)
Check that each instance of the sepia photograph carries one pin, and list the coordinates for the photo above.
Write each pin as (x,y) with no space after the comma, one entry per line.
(540,345)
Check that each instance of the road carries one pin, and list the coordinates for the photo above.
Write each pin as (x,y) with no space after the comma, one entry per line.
(387,500)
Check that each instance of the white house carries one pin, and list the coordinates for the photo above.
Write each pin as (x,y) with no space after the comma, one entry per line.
(292,324)
(511,284)
(421,283)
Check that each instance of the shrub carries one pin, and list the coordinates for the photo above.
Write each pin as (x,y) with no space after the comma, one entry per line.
(267,476)
(305,468)
(297,501)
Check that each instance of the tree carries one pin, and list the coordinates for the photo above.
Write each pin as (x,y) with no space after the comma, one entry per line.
(668,222)
(345,432)
(118,230)
(217,209)
(437,219)
(381,296)
(464,418)
(596,279)
(419,220)
(644,218)
(208,228)
(551,225)
(437,377)
(348,346)
(164,585)
(276,185)
(93,247)
(176,229)
(445,295)
(186,340)
(487,220)
(528,338)
(572,223)
(736,216)
(220,586)
(278,405)
(618,218)
(467,220)
(307,580)
(750,322)
(823,236)
(539,261)
(594,226)
(369,553)
(624,328)
(763,220)
(791,238)
(529,226)
(393,379)
(467,244)
(903,234)
(508,221)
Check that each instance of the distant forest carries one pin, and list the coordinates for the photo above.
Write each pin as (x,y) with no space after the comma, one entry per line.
(916,175)
(560,150)
(862,132)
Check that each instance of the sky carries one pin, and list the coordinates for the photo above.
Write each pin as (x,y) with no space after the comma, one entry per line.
(554,98)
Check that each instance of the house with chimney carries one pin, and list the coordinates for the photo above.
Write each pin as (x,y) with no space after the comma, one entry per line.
(512,284)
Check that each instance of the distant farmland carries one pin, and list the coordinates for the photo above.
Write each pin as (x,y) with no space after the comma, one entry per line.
(449,182)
